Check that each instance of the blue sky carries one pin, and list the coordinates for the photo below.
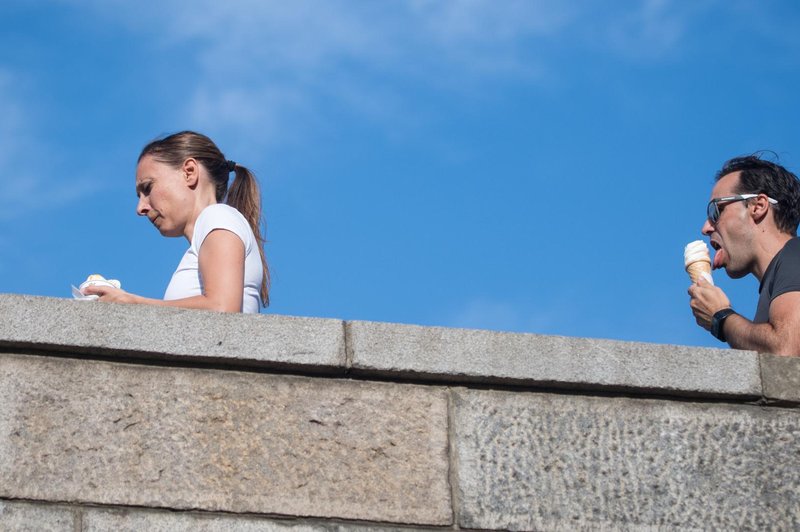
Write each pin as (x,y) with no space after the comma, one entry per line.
(532,166)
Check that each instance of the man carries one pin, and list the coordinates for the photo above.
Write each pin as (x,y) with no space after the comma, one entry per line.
(752,225)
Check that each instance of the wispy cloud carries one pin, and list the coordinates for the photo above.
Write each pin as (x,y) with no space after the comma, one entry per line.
(272,69)
(307,37)
(503,316)
(482,314)
(266,109)
(277,65)
(651,29)
(269,66)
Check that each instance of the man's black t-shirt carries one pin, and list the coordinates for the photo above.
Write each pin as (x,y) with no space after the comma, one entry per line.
(782,275)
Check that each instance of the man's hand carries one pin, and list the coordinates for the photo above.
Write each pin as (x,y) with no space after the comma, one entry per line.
(706,300)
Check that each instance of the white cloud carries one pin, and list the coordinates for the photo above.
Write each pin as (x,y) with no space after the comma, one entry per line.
(264,109)
(503,316)
(480,37)
(269,66)
(272,68)
(653,28)
(309,36)
(482,314)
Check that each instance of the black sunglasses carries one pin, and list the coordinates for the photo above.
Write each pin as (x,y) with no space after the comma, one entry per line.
(713,210)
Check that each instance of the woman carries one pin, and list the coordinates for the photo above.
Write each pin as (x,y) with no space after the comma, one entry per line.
(181,182)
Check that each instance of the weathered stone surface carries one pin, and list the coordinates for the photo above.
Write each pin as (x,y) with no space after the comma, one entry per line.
(142,330)
(781,378)
(552,462)
(134,520)
(21,516)
(110,433)
(530,359)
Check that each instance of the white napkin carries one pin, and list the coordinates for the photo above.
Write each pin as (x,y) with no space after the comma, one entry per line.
(76,294)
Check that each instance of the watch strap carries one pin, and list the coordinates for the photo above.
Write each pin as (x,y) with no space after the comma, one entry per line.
(718,320)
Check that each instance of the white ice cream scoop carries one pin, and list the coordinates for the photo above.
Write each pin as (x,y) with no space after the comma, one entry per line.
(697,261)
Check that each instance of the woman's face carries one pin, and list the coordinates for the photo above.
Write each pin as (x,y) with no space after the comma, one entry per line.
(164,196)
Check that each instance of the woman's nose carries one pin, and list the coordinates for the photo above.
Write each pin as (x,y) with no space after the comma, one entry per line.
(142,207)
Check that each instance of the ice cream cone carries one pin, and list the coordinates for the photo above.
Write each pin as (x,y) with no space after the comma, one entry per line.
(699,268)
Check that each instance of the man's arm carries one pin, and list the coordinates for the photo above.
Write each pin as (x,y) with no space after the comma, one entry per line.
(780,336)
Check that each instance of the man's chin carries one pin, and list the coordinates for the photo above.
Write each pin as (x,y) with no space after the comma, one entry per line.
(735,274)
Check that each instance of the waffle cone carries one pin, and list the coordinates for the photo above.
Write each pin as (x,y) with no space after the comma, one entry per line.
(697,268)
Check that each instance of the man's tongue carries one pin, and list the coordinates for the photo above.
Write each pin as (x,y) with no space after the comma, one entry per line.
(719,259)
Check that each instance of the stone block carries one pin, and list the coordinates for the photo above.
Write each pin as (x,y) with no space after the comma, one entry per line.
(136,520)
(463,355)
(781,378)
(530,461)
(96,432)
(23,516)
(170,333)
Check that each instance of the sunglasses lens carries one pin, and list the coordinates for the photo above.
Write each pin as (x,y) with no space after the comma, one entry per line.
(712,212)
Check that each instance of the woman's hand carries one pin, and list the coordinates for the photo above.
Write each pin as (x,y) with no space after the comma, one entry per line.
(109,294)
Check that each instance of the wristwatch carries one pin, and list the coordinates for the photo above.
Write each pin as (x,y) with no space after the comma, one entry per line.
(718,320)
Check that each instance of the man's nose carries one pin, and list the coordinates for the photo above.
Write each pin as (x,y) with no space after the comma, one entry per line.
(707,228)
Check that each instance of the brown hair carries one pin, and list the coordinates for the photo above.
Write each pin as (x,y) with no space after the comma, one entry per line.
(243,194)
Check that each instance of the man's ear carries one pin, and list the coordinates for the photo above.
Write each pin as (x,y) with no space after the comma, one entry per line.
(759,208)
(191,172)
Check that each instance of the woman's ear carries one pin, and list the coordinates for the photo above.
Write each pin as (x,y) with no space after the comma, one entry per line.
(191,172)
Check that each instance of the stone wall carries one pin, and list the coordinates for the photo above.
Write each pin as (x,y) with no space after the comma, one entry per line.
(117,417)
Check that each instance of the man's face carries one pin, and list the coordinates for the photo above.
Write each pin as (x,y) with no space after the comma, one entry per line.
(732,235)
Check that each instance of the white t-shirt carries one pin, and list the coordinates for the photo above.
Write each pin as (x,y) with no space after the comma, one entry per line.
(186,281)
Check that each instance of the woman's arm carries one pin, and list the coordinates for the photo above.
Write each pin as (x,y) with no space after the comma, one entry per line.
(221,264)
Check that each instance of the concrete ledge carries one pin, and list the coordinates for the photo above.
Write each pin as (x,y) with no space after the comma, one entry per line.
(94,432)
(781,378)
(135,520)
(460,355)
(23,516)
(19,516)
(175,447)
(312,344)
(554,462)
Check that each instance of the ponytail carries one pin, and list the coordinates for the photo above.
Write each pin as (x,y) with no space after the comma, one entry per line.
(245,197)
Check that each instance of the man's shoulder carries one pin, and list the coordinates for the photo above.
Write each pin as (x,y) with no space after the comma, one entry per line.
(793,245)
(790,252)
(786,271)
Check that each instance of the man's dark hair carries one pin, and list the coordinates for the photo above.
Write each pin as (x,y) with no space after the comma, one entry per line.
(759,176)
